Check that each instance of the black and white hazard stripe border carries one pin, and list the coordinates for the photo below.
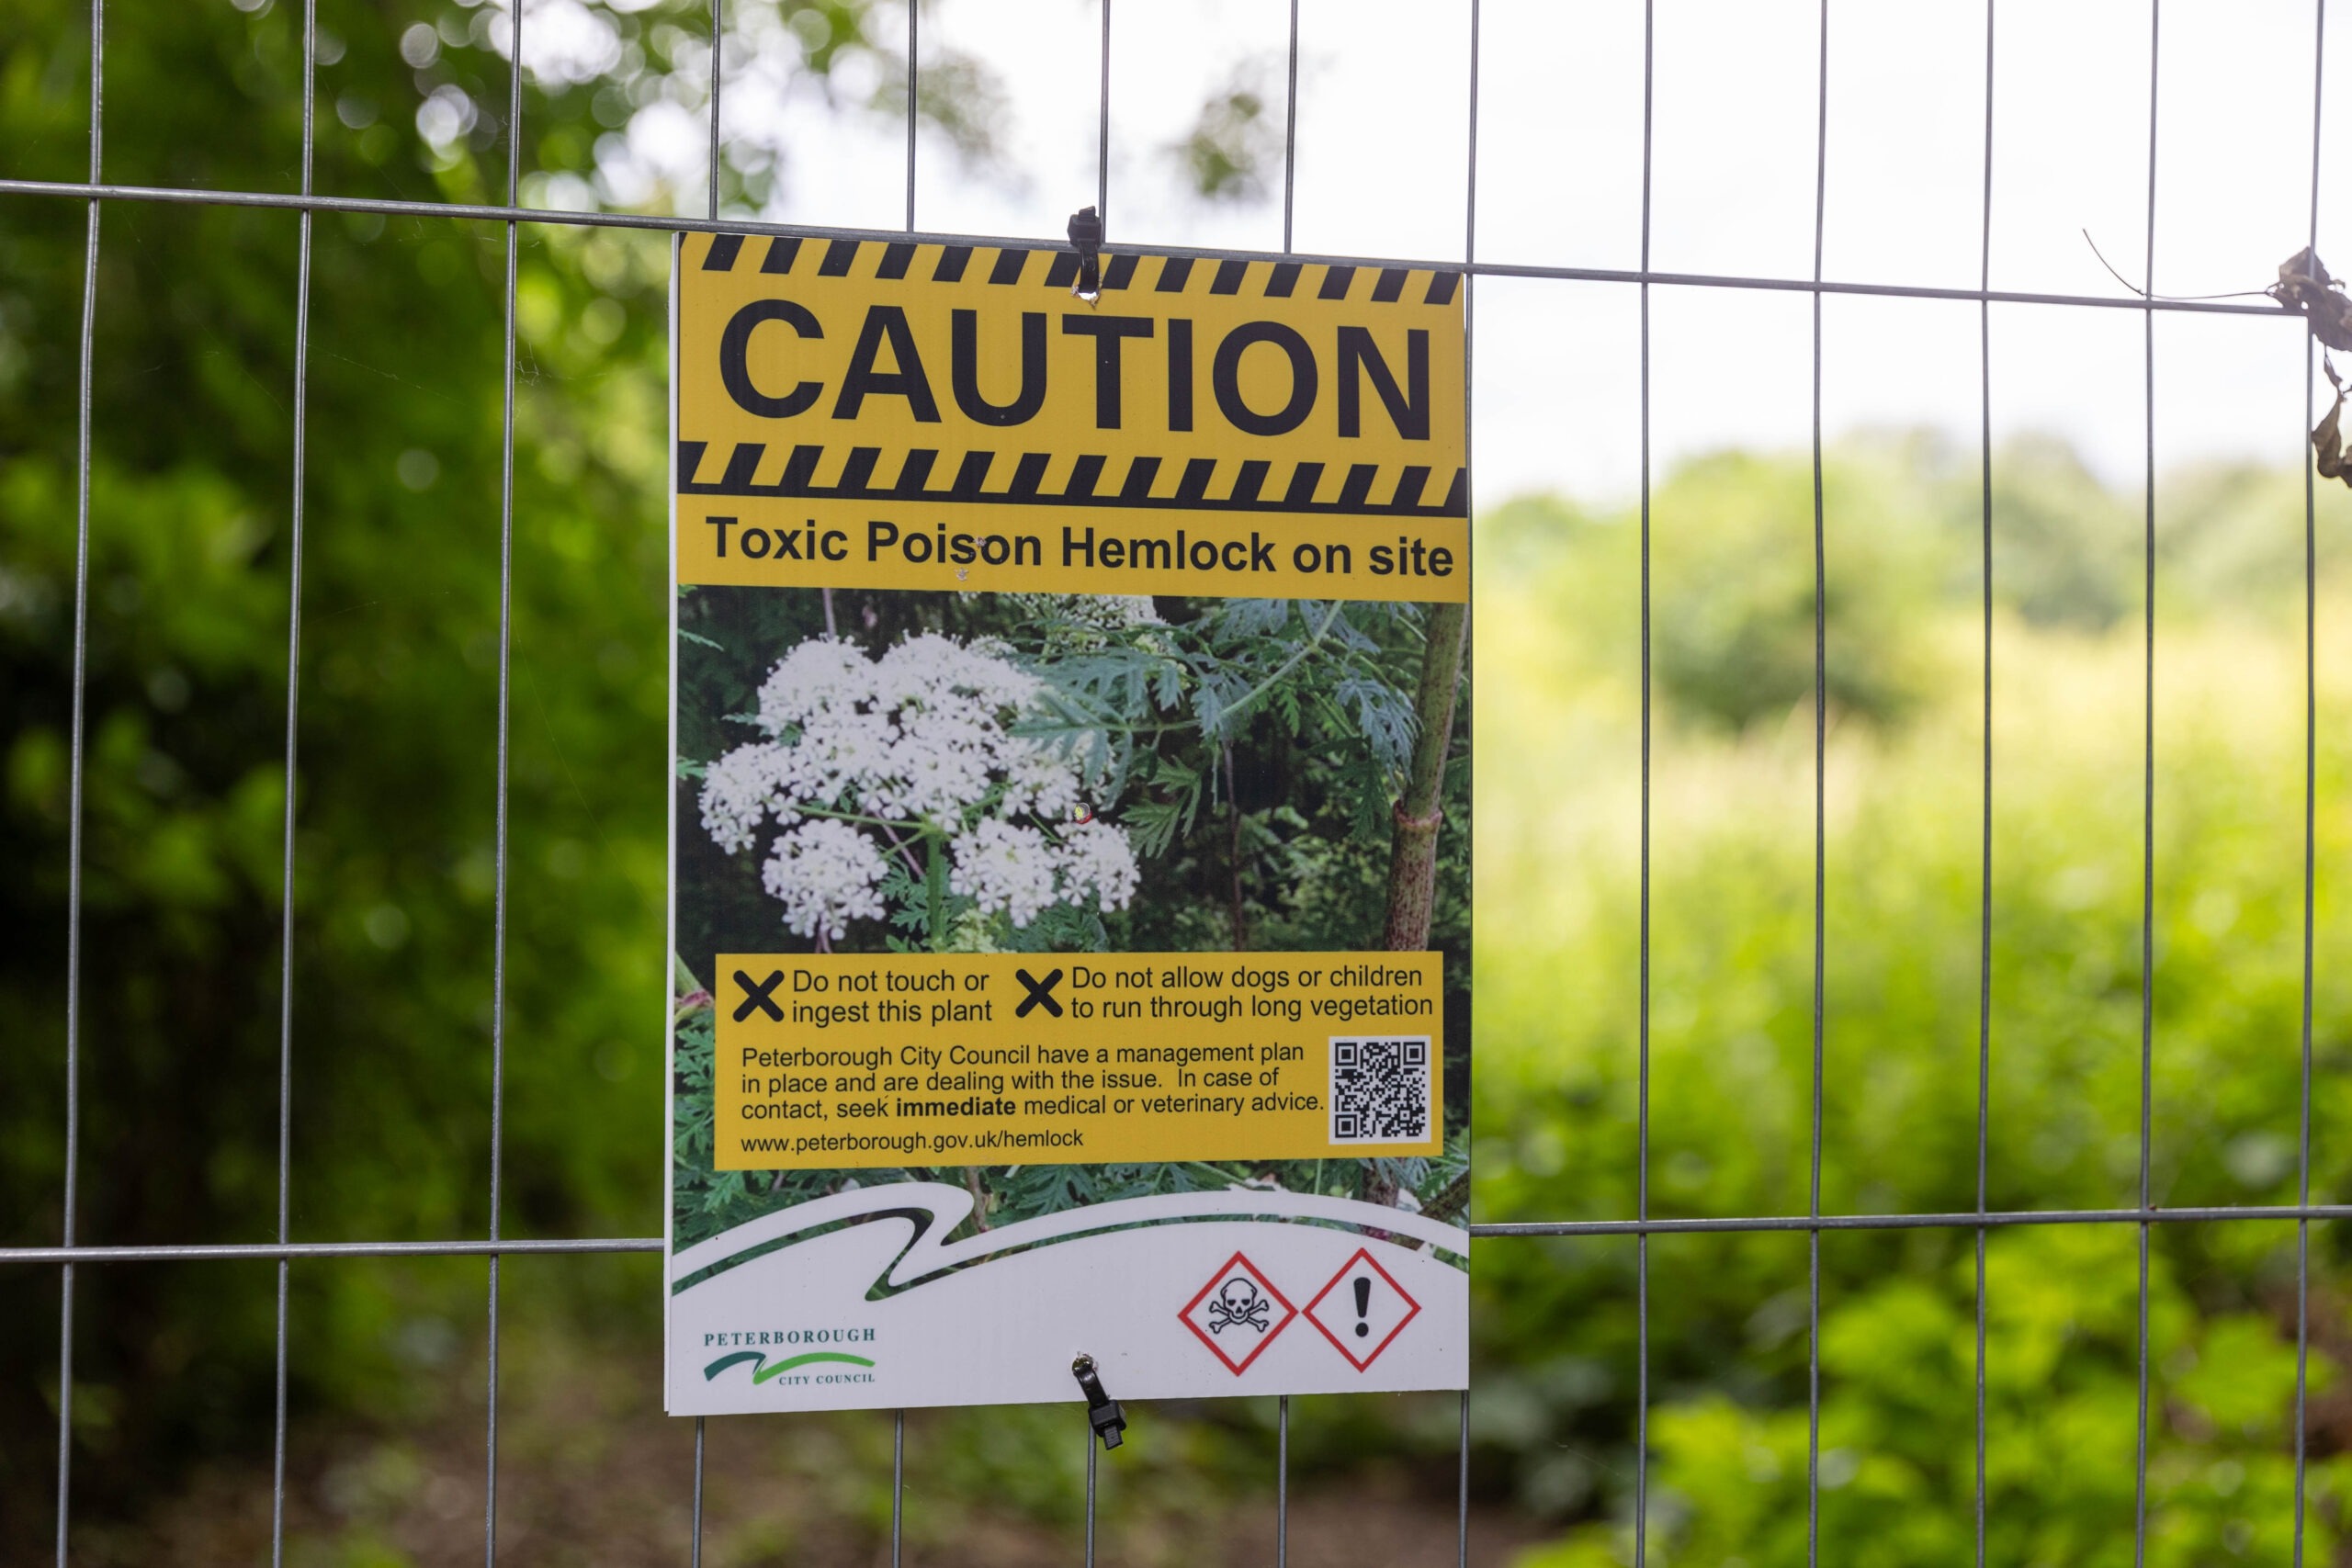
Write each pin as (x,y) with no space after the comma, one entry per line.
(1197,484)
(1010,266)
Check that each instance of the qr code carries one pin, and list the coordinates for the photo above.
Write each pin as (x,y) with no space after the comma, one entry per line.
(1380,1090)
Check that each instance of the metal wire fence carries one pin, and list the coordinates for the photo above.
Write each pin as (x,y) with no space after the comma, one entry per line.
(72,1255)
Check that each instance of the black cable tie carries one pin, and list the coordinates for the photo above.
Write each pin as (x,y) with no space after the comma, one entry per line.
(1086,238)
(1102,1412)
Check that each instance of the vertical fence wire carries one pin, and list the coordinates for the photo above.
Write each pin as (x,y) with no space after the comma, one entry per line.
(1091,1455)
(718,63)
(1469,435)
(1102,130)
(74,795)
(1820,824)
(2147,788)
(1984,823)
(1642,1042)
(718,71)
(2311,791)
(1102,212)
(1462,1483)
(2311,810)
(505,683)
(293,708)
(1290,128)
(1290,176)
(693,1548)
(1282,1482)
(914,82)
(898,1423)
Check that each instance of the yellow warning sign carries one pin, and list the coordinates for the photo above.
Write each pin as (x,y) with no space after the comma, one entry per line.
(869,414)
(839,1060)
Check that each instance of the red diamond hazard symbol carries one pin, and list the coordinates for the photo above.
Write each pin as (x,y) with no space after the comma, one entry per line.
(1237,1314)
(1362,1309)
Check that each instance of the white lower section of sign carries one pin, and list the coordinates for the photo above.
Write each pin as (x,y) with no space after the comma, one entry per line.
(996,1317)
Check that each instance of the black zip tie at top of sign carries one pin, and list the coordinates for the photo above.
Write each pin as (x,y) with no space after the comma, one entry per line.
(1086,238)
(1102,1412)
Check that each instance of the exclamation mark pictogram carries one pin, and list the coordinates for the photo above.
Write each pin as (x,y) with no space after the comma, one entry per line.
(1382,1309)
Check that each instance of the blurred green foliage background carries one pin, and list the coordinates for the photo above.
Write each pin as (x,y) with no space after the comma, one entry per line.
(1731,1019)
(191,554)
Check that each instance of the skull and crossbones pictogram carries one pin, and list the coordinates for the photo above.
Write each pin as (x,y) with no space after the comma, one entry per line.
(1237,1301)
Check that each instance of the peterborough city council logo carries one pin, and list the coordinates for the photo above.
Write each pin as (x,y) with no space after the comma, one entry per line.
(763,1369)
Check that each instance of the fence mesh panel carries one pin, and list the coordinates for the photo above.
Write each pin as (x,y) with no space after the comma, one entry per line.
(72,1255)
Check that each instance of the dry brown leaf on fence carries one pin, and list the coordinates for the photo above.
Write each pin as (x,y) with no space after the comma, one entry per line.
(2327,445)
(2327,450)
(2305,286)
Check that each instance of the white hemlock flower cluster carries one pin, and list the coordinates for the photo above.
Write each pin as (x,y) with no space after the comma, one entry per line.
(1005,865)
(826,872)
(861,758)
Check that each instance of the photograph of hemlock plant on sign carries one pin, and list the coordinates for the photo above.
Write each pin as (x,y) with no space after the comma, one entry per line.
(898,772)
(899,766)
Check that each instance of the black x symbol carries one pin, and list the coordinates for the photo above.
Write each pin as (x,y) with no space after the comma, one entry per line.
(756,995)
(1039,993)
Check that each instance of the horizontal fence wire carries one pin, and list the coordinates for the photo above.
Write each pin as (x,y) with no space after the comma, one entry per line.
(307,202)
(1504,1230)
(481,212)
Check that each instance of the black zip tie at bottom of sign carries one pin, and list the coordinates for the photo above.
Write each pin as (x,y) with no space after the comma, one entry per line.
(1102,1412)
(1086,238)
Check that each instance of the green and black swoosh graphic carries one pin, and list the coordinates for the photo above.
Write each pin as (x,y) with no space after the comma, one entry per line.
(762,1370)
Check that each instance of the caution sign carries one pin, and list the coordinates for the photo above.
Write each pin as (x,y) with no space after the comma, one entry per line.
(858,413)
(1069,853)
